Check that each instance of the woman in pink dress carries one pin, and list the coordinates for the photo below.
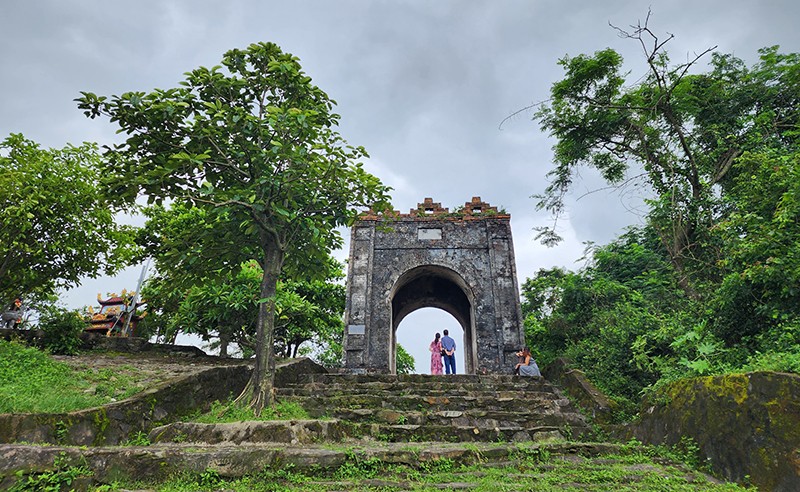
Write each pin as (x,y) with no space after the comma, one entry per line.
(436,355)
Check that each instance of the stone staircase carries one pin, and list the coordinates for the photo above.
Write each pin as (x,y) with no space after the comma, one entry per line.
(454,408)
(371,424)
(407,408)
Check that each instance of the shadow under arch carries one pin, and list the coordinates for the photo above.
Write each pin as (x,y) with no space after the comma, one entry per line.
(438,287)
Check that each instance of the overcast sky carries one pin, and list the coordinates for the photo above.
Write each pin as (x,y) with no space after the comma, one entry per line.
(422,85)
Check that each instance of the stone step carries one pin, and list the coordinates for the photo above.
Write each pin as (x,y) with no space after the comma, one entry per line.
(314,431)
(418,379)
(388,426)
(315,390)
(251,432)
(318,405)
(421,380)
(471,417)
(460,433)
(158,462)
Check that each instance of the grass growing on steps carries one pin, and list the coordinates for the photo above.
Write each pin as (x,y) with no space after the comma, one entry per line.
(228,411)
(32,382)
(535,469)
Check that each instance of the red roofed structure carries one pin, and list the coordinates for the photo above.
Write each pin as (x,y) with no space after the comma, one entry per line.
(112,318)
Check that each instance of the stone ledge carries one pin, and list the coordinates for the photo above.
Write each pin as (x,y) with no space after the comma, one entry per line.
(585,394)
(116,422)
(232,461)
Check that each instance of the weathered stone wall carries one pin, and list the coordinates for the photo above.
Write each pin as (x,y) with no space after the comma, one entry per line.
(747,425)
(117,422)
(463,263)
(587,396)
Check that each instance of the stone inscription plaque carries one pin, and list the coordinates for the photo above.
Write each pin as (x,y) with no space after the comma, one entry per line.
(429,234)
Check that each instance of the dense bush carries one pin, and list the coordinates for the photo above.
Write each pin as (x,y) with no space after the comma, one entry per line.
(62,329)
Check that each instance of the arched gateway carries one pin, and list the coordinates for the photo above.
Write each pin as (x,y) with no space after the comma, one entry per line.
(461,262)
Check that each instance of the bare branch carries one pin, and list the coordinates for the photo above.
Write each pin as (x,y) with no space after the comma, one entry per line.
(615,187)
(724,164)
(522,110)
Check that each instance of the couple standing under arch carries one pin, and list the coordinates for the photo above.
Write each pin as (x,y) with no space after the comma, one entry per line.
(443,352)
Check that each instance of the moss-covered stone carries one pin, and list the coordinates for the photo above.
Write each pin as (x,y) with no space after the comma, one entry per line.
(746,425)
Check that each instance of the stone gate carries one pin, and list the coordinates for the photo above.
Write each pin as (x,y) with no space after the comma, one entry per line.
(461,262)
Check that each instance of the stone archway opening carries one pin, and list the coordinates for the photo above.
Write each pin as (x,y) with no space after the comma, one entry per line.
(437,287)
(417,330)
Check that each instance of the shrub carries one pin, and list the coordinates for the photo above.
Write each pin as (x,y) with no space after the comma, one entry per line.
(62,329)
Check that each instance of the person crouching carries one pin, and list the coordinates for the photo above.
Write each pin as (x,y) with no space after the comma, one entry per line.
(526,365)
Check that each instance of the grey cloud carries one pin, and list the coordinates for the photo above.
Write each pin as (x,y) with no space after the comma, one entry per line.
(422,85)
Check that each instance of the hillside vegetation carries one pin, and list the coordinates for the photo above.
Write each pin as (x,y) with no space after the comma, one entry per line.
(708,284)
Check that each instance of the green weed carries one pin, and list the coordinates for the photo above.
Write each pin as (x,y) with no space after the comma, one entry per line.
(138,439)
(61,478)
(61,431)
(228,411)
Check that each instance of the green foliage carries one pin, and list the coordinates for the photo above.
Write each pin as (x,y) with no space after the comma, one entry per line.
(56,223)
(629,326)
(62,329)
(777,349)
(686,451)
(230,411)
(761,262)
(358,467)
(210,479)
(138,439)
(623,319)
(253,143)
(62,477)
(404,361)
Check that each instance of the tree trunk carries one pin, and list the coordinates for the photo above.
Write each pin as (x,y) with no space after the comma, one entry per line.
(261,381)
(223,344)
(676,242)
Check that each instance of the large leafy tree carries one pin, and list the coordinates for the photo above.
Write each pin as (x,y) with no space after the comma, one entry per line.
(56,223)
(224,309)
(253,142)
(683,130)
(221,305)
(761,287)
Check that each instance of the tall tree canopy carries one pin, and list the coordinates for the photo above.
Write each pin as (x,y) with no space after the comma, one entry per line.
(221,305)
(710,283)
(253,142)
(683,129)
(760,288)
(56,223)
